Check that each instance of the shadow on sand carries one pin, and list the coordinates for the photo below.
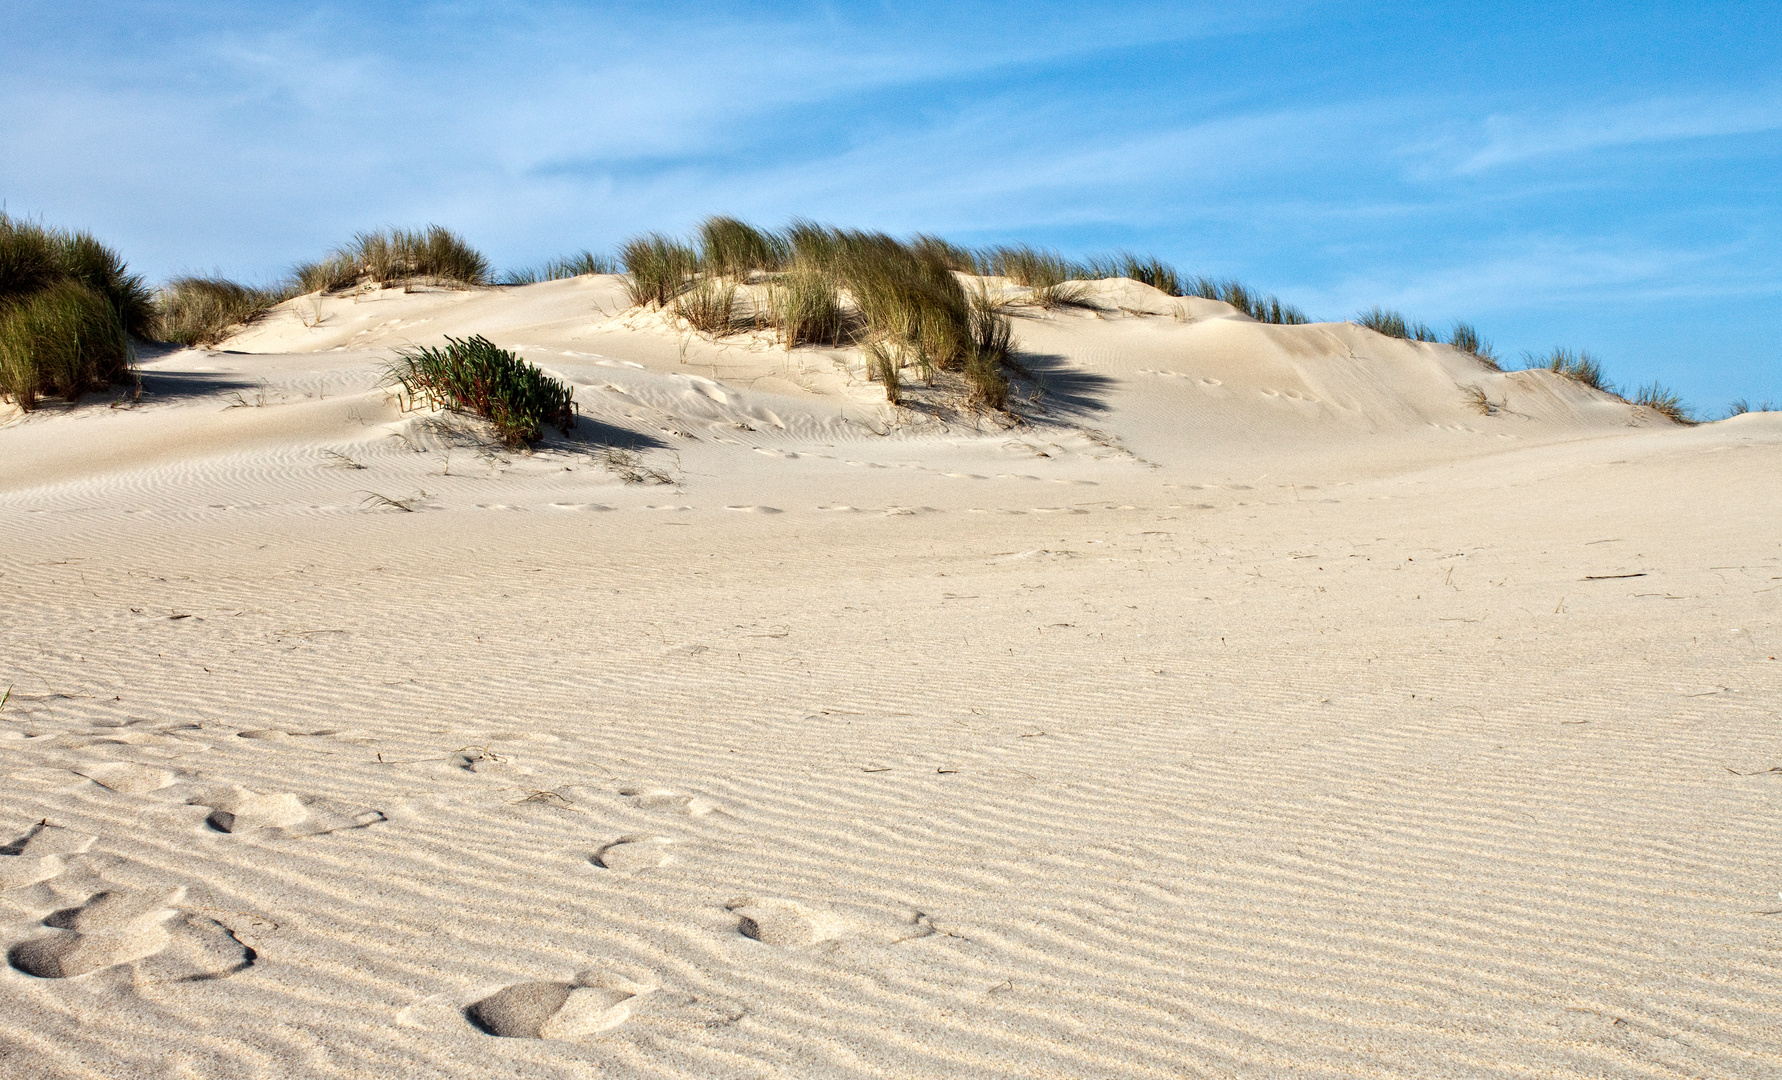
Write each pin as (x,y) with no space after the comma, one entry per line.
(1070,392)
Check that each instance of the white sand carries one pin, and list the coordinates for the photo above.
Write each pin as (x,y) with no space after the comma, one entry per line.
(1259,709)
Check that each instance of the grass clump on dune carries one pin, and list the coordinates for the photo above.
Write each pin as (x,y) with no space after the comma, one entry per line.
(709,306)
(1664,401)
(1267,308)
(1052,280)
(577,265)
(68,308)
(1393,324)
(477,376)
(901,302)
(1743,406)
(1465,338)
(804,306)
(735,249)
(657,268)
(435,255)
(1577,366)
(202,311)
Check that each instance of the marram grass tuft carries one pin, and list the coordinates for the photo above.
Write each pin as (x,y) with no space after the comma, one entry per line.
(68,308)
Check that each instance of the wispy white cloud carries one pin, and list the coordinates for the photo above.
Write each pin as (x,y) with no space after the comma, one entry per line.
(1509,139)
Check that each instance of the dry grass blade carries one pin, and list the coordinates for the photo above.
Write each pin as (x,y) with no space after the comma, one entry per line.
(629,466)
(375,501)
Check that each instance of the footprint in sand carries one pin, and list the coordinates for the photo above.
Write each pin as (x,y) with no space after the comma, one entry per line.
(783,922)
(141,926)
(240,810)
(632,853)
(37,856)
(126,777)
(664,799)
(593,1002)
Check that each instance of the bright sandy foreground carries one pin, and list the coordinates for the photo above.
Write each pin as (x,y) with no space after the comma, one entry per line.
(1258,708)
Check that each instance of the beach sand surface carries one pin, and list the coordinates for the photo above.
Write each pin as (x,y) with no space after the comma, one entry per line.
(1260,704)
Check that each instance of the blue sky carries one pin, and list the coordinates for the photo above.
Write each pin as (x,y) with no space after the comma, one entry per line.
(1594,175)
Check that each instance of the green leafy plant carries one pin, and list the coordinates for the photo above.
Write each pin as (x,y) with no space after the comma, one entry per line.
(475,375)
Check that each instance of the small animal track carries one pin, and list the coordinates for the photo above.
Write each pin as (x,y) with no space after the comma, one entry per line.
(783,922)
(592,1003)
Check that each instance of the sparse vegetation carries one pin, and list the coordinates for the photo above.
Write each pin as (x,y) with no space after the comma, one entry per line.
(434,255)
(1578,366)
(1743,406)
(202,311)
(1661,399)
(68,308)
(709,306)
(1393,324)
(476,376)
(1467,339)
(577,265)
(804,307)
(657,269)
(629,466)
(1268,309)
(735,249)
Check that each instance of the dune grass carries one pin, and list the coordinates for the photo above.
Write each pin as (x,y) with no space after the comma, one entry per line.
(435,255)
(580,264)
(1267,308)
(1743,406)
(804,306)
(68,308)
(1578,366)
(735,249)
(901,302)
(657,269)
(1393,324)
(709,306)
(1664,401)
(202,311)
(1465,338)
(476,376)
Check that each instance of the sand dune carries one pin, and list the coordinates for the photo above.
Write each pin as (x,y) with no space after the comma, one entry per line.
(1255,706)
